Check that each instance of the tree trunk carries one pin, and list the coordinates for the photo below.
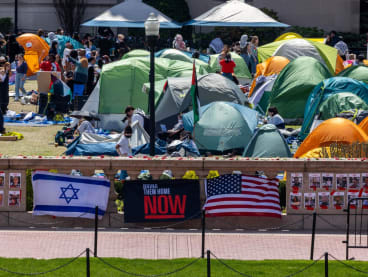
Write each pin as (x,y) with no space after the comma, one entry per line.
(70,14)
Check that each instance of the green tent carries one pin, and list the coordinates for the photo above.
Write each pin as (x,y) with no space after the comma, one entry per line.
(357,72)
(224,126)
(241,70)
(298,47)
(136,54)
(267,142)
(331,88)
(177,55)
(121,85)
(340,102)
(294,84)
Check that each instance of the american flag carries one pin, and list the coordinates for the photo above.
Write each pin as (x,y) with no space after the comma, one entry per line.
(242,195)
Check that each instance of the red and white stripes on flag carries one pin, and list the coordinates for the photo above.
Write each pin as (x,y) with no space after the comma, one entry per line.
(242,195)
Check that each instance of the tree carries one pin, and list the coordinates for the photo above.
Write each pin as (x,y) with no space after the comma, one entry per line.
(70,14)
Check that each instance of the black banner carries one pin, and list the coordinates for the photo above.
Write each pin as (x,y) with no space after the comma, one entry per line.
(161,200)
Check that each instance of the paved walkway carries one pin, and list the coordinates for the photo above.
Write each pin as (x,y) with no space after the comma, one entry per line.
(47,244)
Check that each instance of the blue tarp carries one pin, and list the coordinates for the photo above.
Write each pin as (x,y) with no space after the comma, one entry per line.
(62,40)
(93,149)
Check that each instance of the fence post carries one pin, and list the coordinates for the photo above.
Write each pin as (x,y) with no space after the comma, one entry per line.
(208,263)
(96,231)
(313,235)
(326,264)
(87,263)
(203,231)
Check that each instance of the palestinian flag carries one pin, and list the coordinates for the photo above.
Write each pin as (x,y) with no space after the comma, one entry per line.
(195,96)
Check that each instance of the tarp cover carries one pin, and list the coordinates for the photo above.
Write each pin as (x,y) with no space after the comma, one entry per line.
(130,14)
(267,142)
(235,13)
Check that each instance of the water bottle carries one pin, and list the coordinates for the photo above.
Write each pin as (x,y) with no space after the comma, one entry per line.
(294,145)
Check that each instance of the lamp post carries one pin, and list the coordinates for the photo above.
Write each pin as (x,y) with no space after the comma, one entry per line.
(152,27)
(16,16)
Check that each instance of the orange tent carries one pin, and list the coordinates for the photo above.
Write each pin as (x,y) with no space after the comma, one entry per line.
(364,125)
(273,65)
(334,130)
(35,48)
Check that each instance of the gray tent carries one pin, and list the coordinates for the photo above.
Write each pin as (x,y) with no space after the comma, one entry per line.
(267,142)
(177,98)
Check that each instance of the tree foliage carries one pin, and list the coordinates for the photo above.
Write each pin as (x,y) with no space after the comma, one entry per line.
(70,14)
(6,25)
(177,10)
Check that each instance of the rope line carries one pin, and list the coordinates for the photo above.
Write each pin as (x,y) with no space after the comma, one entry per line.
(331,224)
(229,267)
(143,275)
(44,272)
(305,268)
(347,265)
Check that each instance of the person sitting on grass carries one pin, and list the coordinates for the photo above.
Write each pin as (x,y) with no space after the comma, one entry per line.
(275,118)
(85,126)
(123,146)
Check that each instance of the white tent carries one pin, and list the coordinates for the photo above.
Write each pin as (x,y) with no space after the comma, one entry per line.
(235,13)
(130,14)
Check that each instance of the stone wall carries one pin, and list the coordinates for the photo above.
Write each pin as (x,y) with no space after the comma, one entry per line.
(110,166)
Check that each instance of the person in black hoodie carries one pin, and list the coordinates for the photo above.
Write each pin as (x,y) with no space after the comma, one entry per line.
(4,84)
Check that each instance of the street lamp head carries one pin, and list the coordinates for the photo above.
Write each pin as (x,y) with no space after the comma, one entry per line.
(152,25)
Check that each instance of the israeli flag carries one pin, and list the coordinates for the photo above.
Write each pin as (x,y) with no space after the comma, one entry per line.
(69,196)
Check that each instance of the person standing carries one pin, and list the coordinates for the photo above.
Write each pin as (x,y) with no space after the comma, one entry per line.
(20,77)
(4,84)
(254,47)
(54,48)
(91,75)
(248,57)
(121,47)
(123,146)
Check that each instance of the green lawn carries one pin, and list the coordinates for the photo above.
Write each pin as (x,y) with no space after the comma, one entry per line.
(149,267)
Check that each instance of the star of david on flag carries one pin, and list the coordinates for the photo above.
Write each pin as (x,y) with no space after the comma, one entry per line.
(65,194)
(69,196)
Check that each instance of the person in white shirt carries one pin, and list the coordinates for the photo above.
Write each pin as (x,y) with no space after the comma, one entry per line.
(123,146)
(132,117)
(85,127)
(275,118)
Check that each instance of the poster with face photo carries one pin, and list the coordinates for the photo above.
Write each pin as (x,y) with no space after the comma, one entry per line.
(327,180)
(15,180)
(324,200)
(14,198)
(338,199)
(2,179)
(295,200)
(1,198)
(314,180)
(351,195)
(296,181)
(365,180)
(354,181)
(310,201)
(341,181)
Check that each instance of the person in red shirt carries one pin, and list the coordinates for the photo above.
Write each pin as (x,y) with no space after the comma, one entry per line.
(46,65)
(227,67)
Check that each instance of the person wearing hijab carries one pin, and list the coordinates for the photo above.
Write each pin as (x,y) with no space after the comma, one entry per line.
(179,43)
(216,45)
(243,41)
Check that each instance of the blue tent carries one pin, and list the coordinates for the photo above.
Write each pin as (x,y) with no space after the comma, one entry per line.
(325,90)
(62,40)
(235,13)
(130,14)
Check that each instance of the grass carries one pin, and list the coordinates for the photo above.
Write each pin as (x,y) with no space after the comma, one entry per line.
(37,140)
(272,268)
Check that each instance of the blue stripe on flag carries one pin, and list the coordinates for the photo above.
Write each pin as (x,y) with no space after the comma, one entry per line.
(87,181)
(72,209)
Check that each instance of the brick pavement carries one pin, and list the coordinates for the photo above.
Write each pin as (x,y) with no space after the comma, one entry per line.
(51,243)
